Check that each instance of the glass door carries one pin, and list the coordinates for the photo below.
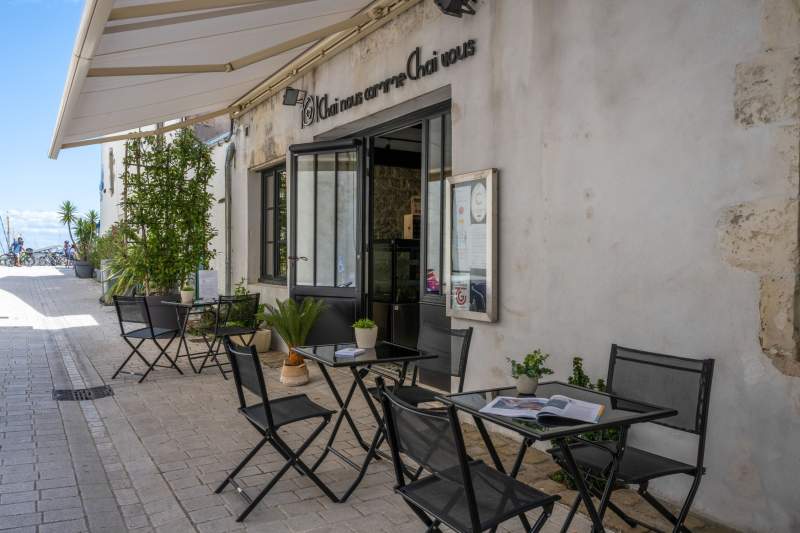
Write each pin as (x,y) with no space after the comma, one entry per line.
(325,259)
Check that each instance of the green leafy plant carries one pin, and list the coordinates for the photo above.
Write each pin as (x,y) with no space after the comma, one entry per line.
(107,245)
(68,215)
(532,366)
(293,322)
(86,232)
(363,323)
(167,208)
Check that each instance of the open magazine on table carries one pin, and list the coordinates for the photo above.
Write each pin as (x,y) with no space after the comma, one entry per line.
(555,407)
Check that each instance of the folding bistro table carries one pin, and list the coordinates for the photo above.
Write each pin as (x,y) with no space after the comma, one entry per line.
(619,413)
(384,352)
(185,312)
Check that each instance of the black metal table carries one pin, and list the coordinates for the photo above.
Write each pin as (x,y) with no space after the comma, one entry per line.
(184,313)
(619,413)
(360,365)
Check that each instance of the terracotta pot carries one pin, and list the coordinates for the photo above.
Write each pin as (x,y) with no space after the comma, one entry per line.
(527,385)
(262,340)
(366,338)
(295,375)
(187,297)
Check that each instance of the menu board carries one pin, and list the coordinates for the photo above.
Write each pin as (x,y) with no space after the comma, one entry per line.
(207,285)
(471,236)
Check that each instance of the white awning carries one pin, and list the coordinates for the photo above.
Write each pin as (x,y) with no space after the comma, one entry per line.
(142,62)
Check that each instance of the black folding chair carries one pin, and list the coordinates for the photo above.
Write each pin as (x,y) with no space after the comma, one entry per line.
(452,347)
(464,494)
(235,317)
(267,417)
(668,381)
(134,310)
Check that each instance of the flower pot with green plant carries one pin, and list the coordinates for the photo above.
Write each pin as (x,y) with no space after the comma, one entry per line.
(293,322)
(528,372)
(166,222)
(366,333)
(86,233)
(187,294)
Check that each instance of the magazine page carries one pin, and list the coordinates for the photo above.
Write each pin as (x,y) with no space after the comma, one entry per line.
(511,406)
(565,407)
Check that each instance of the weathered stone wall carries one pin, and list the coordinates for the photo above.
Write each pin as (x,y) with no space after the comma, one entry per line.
(648,191)
(761,234)
(394,188)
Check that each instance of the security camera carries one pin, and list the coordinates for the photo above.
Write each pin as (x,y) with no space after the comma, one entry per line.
(455,8)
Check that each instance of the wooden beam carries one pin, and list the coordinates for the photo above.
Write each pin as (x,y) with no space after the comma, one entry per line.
(175,6)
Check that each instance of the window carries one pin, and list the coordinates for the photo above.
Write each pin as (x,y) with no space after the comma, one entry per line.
(273,224)
(326,230)
(439,163)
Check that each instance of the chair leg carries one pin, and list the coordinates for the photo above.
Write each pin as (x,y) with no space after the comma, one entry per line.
(677,522)
(242,465)
(161,354)
(547,510)
(134,351)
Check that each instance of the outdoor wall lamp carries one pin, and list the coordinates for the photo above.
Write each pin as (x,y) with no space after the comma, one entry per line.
(292,96)
(455,8)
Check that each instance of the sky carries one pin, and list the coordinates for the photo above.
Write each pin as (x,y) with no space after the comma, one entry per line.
(36,40)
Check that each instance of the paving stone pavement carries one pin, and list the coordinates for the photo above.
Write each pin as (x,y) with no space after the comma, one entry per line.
(149,457)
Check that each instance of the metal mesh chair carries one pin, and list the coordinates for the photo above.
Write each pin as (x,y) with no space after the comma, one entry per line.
(452,348)
(268,416)
(463,494)
(133,310)
(678,383)
(235,317)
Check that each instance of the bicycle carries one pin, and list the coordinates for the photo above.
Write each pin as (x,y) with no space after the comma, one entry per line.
(8,260)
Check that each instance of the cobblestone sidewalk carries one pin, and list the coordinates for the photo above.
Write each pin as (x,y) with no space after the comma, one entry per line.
(149,457)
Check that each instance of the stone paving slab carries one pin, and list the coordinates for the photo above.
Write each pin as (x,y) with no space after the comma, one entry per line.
(149,458)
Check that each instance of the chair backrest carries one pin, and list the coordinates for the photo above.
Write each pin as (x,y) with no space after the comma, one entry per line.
(247,374)
(432,439)
(451,346)
(132,310)
(239,309)
(678,383)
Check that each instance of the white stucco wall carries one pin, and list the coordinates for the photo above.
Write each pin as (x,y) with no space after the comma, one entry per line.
(111,196)
(614,129)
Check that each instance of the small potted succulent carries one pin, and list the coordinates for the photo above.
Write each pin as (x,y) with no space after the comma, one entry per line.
(528,372)
(187,294)
(366,333)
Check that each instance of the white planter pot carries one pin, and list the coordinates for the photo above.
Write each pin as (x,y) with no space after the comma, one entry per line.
(366,338)
(187,297)
(527,385)
(262,340)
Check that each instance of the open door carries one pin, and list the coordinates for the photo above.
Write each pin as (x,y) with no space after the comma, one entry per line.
(326,242)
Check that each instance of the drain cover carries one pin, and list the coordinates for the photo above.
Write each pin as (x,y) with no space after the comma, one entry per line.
(82,394)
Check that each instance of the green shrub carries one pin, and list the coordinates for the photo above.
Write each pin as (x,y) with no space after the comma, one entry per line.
(532,366)
(363,323)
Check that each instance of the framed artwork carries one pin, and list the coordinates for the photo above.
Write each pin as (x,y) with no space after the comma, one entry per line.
(470,252)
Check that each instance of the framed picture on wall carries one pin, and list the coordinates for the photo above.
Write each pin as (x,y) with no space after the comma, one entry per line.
(470,251)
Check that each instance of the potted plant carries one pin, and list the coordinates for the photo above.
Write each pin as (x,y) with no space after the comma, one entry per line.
(262,339)
(86,232)
(187,294)
(528,372)
(166,223)
(366,333)
(293,322)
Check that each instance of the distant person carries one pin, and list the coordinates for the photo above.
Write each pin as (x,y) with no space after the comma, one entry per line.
(66,252)
(16,248)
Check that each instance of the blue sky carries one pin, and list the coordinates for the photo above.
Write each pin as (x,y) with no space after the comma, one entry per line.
(36,39)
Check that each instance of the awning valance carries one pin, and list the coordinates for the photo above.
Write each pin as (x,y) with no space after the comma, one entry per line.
(141,62)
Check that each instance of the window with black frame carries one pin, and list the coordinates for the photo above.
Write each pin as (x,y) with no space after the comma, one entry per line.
(439,167)
(273,225)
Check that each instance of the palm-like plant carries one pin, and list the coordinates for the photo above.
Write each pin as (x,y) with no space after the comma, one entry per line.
(68,214)
(293,322)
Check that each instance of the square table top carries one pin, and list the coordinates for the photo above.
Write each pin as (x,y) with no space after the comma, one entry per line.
(195,303)
(384,352)
(618,411)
